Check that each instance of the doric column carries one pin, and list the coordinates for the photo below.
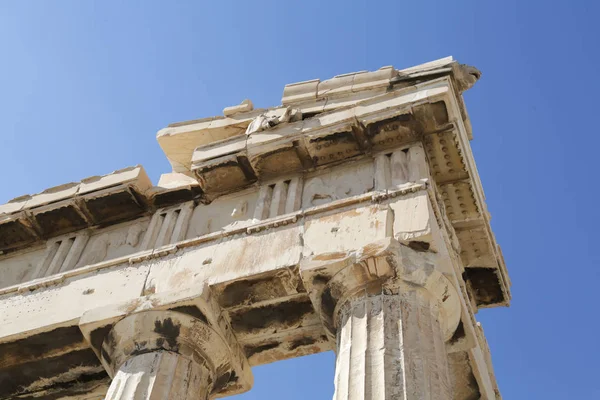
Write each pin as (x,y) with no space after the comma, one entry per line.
(390,346)
(168,346)
(390,314)
(161,375)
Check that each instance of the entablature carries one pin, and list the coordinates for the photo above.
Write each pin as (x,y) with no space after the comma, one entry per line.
(252,268)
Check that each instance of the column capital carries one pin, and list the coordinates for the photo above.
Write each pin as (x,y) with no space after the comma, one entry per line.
(382,267)
(188,323)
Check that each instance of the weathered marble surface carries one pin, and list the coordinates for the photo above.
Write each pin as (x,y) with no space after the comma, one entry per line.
(352,219)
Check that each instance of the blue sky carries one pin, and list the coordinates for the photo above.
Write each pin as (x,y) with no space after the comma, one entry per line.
(85,85)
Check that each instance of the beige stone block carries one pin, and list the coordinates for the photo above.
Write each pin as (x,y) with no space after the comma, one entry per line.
(25,313)
(179,142)
(396,102)
(113,242)
(376,79)
(189,267)
(407,166)
(347,230)
(329,119)
(20,267)
(245,106)
(247,255)
(53,195)
(414,220)
(338,85)
(351,99)
(417,164)
(218,149)
(313,107)
(225,212)
(428,65)
(233,258)
(476,250)
(174,180)
(338,183)
(460,202)
(132,176)
(224,174)
(174,187)
(274,155)
(300,91)
(14,205)
(279,133)
(332,144)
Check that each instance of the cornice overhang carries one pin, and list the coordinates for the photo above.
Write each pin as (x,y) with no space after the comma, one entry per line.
(366,124)
(95,201)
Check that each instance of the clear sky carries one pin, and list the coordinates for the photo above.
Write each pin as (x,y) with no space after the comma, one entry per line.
(85,85)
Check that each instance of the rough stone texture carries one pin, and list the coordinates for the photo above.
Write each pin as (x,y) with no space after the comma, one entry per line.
(100,200)
(390,346)
(244,106)
(187,322)
(351,218)
(160,375)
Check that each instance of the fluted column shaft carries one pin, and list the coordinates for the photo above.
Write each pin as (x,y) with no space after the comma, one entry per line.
(160,375)
(390,346)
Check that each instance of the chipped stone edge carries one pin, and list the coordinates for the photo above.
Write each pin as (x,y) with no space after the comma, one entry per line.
(373,197)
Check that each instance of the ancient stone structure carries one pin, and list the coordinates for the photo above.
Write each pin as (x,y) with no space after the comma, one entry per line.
(350,218)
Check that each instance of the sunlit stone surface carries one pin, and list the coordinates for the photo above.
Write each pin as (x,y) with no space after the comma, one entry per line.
(350,219)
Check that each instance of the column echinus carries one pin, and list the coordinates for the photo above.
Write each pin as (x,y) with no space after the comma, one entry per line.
(172,345)
(350,218)
(390,314)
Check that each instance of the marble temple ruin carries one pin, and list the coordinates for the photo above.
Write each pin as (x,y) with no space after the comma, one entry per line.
(351,218)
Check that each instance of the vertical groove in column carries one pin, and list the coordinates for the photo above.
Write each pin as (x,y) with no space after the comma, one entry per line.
(162,379)
(358,349)
(391,347)
(375,356)
(443,374)
(342,370)
(419,336)
(395,374)
(160,376)
(429,358)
